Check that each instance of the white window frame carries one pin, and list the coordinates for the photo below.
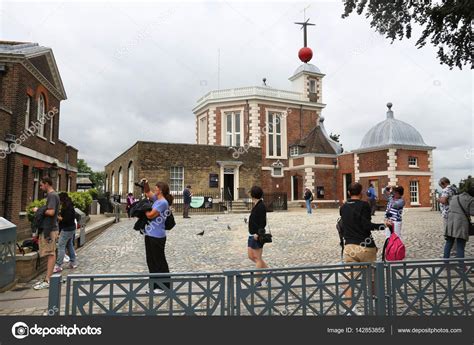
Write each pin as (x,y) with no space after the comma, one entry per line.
(27,113)
(294,151)
(202,134)
(51,131)
(36,178)
(112,183)
(312,86)
(131,177)
(233,133)
(283,139)
(410,165)
(120,181)
(173,171)
(414,192)
(40,114)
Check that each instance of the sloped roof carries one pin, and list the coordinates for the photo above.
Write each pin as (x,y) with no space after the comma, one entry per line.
(318,141)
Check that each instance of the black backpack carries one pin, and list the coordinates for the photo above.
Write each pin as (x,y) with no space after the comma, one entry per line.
(170,222)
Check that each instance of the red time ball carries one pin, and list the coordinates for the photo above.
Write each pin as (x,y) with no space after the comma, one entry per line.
(305,54)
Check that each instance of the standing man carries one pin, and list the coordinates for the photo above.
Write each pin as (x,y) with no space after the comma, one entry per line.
(372,199)
(187,194)
(308,197)
(48,230)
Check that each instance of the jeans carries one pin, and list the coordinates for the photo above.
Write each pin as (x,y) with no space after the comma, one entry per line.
(460,245)
(308,206)
(66,239)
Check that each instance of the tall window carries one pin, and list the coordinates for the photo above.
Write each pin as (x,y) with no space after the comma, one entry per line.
(36,177)
(106,183)
(232,129)
(69,180)
(24,188)
(120,181)
(414,192)
(112,182)
(274,134)
(312,86)
(27,112)
(202,130)
(40,115)
(176,179)
(51,130)
(131,177)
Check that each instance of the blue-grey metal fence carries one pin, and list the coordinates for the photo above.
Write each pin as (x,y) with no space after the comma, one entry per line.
(428,287)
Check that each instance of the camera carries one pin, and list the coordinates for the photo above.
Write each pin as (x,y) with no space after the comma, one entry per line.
(140,184)
(21,331)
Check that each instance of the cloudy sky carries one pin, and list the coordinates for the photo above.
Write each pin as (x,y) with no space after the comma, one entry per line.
(133,71)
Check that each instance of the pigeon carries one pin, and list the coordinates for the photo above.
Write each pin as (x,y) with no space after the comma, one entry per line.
(245,220)
(200,233)
(228,227)
(216,219)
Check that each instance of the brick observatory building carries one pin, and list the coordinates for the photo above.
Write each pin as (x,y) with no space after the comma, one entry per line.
(286,127)
(30,94)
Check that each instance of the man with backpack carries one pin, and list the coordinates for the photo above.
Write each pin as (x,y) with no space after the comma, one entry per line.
(356,224)
(308,197)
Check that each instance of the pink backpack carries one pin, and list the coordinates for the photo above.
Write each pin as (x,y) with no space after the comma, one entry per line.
(393,249)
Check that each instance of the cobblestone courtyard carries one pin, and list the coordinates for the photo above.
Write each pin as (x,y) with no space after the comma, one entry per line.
(299,239)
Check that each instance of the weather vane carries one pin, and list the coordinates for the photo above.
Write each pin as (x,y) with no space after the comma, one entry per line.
(305,54)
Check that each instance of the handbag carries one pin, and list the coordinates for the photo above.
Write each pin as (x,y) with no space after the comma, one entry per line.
(264,236)
(471,226)
(170,222)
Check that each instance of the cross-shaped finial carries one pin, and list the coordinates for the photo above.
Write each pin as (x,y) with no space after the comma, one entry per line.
(304,25)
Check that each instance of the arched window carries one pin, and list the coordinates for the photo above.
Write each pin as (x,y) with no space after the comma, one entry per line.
(131,177)
(120,181)
(112,181)
(40,114)
(106,183)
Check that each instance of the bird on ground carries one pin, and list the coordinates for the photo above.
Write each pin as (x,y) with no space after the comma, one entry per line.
(200,233)
(245,220)
(216,219)
(228,227)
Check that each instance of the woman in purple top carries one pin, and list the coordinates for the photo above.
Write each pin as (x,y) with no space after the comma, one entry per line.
(155,233)
(130,201)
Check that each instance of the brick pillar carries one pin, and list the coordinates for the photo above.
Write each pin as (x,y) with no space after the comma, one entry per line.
(254,125)
(392,166)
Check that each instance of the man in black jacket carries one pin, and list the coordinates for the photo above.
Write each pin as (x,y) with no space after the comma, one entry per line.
(359,245)
(187,194)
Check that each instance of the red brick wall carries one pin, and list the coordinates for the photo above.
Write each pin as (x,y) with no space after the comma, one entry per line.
(346,166)
(423,187)
(402,160)
(326,178)
(373,161)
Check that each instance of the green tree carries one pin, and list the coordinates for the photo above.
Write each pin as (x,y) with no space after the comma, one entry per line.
(83,167)
(446,24)
(465,184)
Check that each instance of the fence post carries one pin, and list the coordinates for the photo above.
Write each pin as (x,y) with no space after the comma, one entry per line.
(380,288)
(229,275)
(54,300)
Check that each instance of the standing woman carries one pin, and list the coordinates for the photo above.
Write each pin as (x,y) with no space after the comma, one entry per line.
(395,206)
(155,233)
(67,226)
(257,220)
(461,208)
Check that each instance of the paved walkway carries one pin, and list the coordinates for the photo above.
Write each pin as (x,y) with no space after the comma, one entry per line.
(299,239)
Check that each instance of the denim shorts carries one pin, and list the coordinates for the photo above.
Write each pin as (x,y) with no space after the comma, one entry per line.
(253,243)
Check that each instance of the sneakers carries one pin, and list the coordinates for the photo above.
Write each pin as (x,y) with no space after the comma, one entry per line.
(353,312)
(66,258)
(57,269)
(41,285)
(155,291)
(262,283)
(72,265)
